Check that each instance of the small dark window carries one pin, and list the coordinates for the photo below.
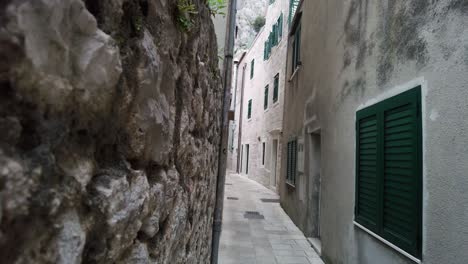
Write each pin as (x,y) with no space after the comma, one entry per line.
(275,88)
(388,170)
(249,109)
(265,98)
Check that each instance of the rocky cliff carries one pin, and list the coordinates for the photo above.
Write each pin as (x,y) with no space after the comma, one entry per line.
(109,129)
(247,12)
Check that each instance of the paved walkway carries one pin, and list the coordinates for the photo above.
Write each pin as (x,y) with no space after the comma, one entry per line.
(259,232)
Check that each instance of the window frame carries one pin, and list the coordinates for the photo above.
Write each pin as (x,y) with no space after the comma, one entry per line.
(411,96)
(265,97)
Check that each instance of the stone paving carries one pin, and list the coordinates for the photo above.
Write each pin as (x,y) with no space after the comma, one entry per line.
(256,232)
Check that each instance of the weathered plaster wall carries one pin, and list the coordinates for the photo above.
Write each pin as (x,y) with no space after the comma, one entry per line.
(264,125)
(352,53)
(109,132)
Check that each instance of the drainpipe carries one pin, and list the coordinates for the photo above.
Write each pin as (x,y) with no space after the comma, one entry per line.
(241,115)
(222,157)
(233,107)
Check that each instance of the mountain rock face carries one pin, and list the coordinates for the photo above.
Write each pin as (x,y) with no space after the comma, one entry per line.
(110,117)
(247,12)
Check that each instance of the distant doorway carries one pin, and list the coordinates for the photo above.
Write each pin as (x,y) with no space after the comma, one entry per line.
(247,159)
(274,161)
(315,182)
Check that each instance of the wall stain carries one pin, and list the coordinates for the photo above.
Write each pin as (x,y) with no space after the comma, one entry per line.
(460,5)
(355,29)
(401,39)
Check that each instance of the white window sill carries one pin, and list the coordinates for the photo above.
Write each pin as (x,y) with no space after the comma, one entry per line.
(275,104)
(294,73)
(290,184)
(401,251)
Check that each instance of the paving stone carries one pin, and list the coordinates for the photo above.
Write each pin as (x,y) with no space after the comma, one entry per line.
(295,253)
(273,240)
(292,260)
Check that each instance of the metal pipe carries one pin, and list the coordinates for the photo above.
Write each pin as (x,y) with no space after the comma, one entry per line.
(241,112)
(222,157)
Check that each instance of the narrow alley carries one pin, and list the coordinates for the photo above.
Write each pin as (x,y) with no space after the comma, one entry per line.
(257,230)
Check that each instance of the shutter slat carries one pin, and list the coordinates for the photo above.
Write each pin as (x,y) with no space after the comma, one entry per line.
(399,122)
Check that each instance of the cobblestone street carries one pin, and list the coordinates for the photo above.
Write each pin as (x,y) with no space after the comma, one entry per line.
(257,230)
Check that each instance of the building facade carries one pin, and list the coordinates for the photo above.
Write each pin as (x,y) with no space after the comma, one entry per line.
(374,130)
(258,97)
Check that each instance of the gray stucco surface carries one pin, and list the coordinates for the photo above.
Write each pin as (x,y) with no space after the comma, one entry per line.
(355,53)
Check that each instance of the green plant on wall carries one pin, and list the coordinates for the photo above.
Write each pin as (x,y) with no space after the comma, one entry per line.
(185,10)
(217,7)
(258,23)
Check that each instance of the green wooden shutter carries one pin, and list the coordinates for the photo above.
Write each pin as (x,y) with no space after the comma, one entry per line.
(263,153)
(249,109)
(292,9)
(280,26)
(388,169)
(402,171)
(252,68)
(367,187)
(294,161)
(265,99)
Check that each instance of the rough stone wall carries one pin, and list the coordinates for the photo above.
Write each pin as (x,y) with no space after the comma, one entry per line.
(109,129)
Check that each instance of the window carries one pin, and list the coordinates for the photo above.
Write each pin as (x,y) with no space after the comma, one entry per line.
(388,170)
(272,1)
(275,88)
(252,68)
(265,98)
(296,52)
(249,109)
(263,153)
(291,162)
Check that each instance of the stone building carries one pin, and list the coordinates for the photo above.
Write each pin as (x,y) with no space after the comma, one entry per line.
(110,120)
(374,154)
(259,94)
